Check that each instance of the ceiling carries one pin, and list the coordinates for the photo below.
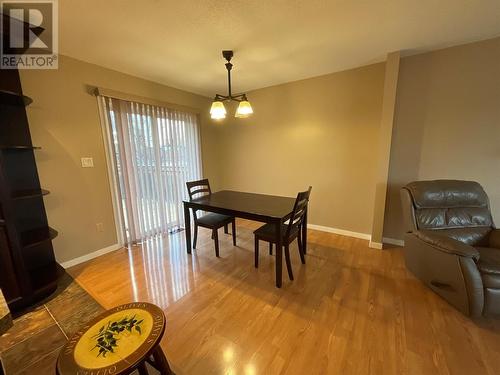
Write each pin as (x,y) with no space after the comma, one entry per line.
(179,43)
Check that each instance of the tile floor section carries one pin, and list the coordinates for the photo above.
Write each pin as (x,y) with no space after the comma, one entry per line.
(32,345)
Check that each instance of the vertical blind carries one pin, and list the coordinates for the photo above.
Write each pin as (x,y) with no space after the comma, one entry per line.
(155,150)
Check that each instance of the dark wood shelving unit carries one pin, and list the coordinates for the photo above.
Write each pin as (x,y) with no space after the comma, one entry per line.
(13,98)
(44,279)
(19,148)
(28,269)
(29,193)
(34,237)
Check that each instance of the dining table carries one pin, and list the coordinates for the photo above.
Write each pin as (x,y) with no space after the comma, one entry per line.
(269,209)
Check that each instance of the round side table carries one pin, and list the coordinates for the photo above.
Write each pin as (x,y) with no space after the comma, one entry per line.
(117,342)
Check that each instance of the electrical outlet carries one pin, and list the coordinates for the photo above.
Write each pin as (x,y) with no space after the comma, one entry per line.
(87,162)
(100,227)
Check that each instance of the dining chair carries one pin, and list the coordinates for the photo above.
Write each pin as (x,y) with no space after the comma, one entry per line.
(289,232)
(212,221)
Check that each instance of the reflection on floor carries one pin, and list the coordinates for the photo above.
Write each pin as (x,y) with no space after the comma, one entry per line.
(350,310)
(32,345)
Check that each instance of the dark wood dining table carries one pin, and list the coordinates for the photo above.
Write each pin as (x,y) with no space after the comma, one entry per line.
(258,207)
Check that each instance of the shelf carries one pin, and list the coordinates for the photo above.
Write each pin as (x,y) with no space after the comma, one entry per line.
(18,147)
(30,193)
(36,236)
(34,272)
(44,280)
(13,98)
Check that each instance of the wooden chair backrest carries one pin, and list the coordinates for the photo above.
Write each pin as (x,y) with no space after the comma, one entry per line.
(299,210)
(197,189)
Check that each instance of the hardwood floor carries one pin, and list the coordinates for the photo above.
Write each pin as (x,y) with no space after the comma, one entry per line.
(350,310)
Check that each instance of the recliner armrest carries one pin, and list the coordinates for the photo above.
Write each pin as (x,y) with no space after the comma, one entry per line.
(447,244)
(494,238)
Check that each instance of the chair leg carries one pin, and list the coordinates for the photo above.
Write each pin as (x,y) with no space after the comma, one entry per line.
(288,262)
(226,229)
(270,248)
(301,253)
(256,252)
(233,229)
(195,236)
(301,249)
(216,241)
(299,239)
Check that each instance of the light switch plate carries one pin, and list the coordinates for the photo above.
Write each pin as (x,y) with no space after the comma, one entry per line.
(87,162)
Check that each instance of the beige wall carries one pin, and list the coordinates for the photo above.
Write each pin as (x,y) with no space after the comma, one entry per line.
(64,121)
(320,132)
(447,123)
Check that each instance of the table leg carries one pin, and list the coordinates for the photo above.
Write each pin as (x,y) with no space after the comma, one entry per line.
(279,254)
(304,232)
(187,227)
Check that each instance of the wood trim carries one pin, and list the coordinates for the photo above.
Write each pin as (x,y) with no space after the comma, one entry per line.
(342,232)
(101,91)
(87,257)
(393,241)
(363,236)
(376,245)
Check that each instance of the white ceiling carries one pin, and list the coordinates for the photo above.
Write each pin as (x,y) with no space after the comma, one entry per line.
(179,43)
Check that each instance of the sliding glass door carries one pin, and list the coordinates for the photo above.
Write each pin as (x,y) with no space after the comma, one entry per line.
(155,150)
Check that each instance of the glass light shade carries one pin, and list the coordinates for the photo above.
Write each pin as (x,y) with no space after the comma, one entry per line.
(217,111)
(244,109)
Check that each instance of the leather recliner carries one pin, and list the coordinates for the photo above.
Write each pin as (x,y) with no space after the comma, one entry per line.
(451,243)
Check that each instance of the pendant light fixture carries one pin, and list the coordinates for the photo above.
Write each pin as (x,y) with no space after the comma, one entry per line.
(218,111)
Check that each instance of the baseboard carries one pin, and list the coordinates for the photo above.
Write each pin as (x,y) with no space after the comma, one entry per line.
(86,257)
(393,241)
(342,232)
(363,236)
(376,245)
